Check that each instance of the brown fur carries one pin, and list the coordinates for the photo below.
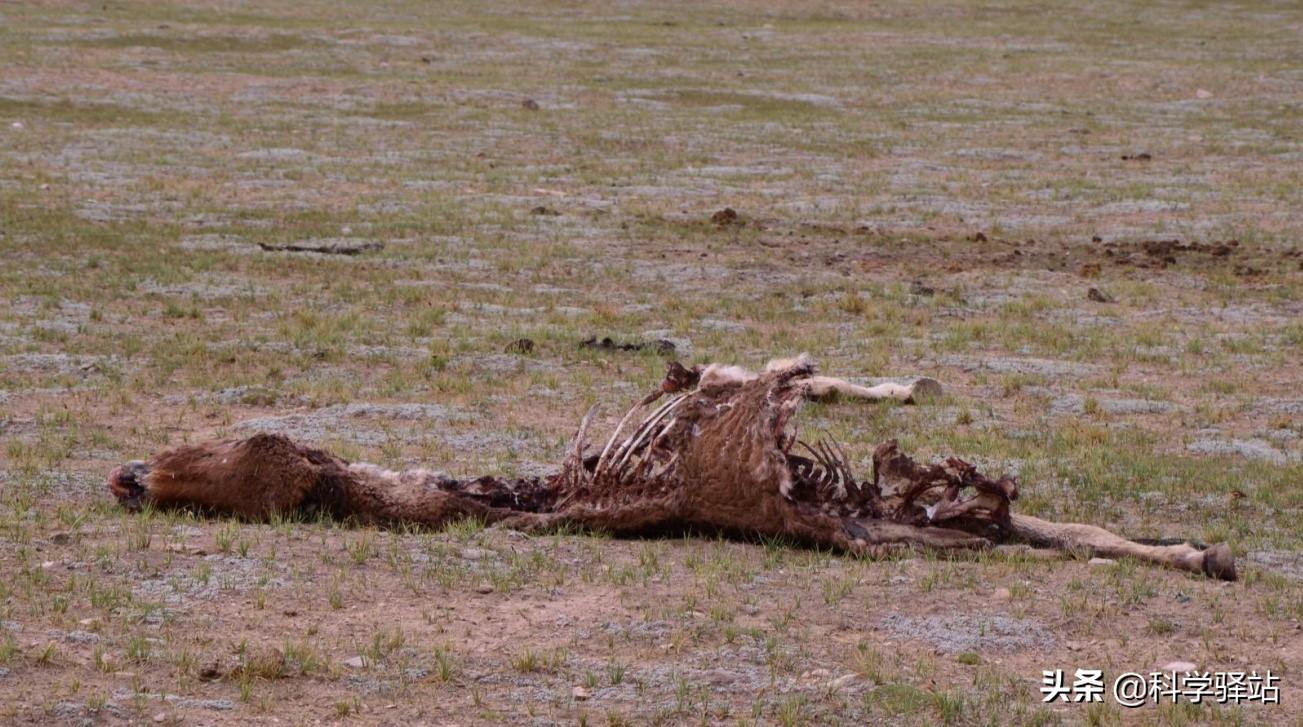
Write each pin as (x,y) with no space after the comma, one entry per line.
(718,458)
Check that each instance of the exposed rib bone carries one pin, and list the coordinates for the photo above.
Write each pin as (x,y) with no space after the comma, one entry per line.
(643,432)
(601,459)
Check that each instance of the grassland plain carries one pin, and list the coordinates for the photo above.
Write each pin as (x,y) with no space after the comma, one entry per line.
(921,188)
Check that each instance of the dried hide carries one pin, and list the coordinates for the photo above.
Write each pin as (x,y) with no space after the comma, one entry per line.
(721,455)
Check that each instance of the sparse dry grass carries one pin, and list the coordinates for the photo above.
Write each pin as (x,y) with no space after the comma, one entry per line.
(149,147)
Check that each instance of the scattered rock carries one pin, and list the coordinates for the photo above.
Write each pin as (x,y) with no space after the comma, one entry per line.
(1002,594)
(1099,296)
(484,589)
(520,346)
(682,345)
(327,247)
(724,217)
(81,637)
(843,681)
(580,694)
(660,345)
(1202,93)
(1161,253)
(357,662)
(1100,561)
(544,211)
(1143,156)
(530,104)
(719,677)
(815,675)
(160,717)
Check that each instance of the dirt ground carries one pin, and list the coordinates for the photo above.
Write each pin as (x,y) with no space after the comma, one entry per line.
(1083,220)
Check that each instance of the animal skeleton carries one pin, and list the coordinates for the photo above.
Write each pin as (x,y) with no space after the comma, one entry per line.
(720,455)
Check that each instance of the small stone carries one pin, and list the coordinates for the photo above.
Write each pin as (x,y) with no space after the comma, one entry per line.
(843,681)
(357,662)
(1203,93)
(472,554)
(211,671)
(16,125)
(60,538)
(1100,561)
(484,588)
(1002,594)
(161,716)
(1179,667)
(719,677)
(726,216)
(580,694)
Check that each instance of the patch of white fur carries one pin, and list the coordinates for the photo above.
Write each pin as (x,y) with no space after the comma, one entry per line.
(374,472)
(804,360)
(720,374)
(394,477)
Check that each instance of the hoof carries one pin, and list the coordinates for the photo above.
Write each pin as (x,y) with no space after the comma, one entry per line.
(1219,562)
(127,483)
(925,390)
